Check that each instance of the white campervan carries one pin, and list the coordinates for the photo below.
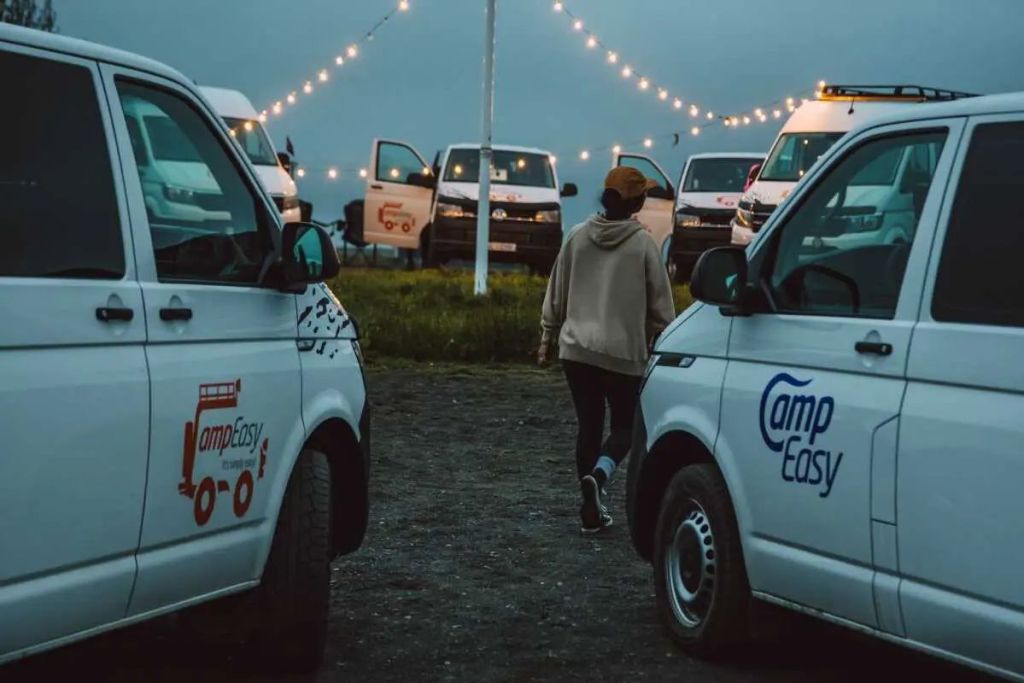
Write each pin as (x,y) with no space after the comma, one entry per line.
(809,132)
(835,427)
(244,125)
(182,404)
(413,206)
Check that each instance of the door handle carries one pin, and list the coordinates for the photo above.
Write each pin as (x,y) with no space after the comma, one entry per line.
(106,314)
(376,187)
(877,348)
(171,314)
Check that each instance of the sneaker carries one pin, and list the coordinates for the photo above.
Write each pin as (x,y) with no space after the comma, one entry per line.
(593,514)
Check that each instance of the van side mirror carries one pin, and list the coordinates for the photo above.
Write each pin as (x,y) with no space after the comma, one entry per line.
(720,276)
(307,255)
(751,176)
(569,190)
(426,180)
(660,192)
(285,160)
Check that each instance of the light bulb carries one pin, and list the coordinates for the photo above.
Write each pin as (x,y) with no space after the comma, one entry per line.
(644,84)
(821,85)
(613,57)
(553,159)
(584,155)
(403,5)
(307,88)
(626,71)
(323,75)
(362,173)
(332,173)
(352,51)
(291,98)
(577,25)
(233,133)
(728,122)
(776,114)
(662,94)
(394,173)
(710,115)
(263,116)
(746,120)
(758,113)
(695,131)
(677,103)
(617,149)
(591,42)
(339,60)
(277,107)
(557,7)
(789,100)
(694,110)
(247,125)
(648,143)
(301,173)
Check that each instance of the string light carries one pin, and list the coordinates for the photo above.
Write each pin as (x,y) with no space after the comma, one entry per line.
(577,25)
(662,94)
(584,155)
(695,130)
(617,149)
(557,7)
(351,52)
(677,103)
(362,173)
(627,71)
(301,173)
(553,159)
(591,42)
(694,110)
(332,173)
(613,58)
(648,143)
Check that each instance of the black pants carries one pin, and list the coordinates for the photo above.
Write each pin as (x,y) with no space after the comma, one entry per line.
(591,388)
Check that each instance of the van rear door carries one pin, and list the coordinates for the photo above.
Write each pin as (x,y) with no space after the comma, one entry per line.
(657,212)
(399,191)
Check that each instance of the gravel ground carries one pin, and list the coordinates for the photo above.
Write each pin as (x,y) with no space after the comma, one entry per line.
(473,568)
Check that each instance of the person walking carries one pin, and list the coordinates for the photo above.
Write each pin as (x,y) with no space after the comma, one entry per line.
(607,299)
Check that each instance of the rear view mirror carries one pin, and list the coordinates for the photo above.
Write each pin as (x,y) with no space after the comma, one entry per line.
(751,176)
(426,180)
(308,254)
(285,160)
(569,190)
(660,192)
(720,276)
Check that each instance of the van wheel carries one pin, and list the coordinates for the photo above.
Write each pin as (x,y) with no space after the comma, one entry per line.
(699,577)
(428,255)
(294,594)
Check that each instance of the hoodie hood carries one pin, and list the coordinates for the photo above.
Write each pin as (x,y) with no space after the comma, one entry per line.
(610,234)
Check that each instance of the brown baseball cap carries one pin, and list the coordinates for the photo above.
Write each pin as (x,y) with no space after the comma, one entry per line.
(628,182)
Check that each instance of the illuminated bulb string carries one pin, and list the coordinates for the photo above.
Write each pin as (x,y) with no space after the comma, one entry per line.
(323,75)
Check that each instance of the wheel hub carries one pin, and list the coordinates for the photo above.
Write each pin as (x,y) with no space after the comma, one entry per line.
(690,567)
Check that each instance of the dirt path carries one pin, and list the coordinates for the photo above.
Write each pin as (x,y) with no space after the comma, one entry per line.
(474,570)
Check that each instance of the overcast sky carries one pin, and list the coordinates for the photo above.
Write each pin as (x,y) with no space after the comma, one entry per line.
(419,80)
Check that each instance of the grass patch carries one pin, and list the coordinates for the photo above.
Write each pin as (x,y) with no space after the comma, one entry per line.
(432,315)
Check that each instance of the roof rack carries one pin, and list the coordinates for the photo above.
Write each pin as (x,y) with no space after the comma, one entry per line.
(915,93)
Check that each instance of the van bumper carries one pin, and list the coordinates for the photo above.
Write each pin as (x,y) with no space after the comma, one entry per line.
(689,243)
(536,244)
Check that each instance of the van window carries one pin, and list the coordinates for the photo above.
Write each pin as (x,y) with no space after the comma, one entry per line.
(717,175)
(206,223)
(844,249)
(794,153)
(58,210)
(508,167)
(979,278)
(395,163)
(252,138)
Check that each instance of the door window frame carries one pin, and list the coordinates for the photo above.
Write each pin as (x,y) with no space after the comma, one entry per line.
(376,161)
(113,156)
(909,299)
(664,176)
(269,226)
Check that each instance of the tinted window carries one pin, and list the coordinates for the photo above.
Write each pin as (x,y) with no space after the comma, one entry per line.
(206,224)
(647,167)
(844,250)
(980,279)
(507,168)
(395,163)
(58,211)
(717,175)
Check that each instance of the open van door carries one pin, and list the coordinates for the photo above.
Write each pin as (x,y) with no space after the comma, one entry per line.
(657,213)
(399,190)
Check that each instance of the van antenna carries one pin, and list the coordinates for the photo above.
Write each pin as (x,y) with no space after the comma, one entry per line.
(852,100)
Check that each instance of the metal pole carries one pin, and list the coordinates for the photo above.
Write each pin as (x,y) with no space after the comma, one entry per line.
(483,219)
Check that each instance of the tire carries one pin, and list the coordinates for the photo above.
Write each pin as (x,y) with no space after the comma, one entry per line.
(294,594)
(697,537)
(428,253)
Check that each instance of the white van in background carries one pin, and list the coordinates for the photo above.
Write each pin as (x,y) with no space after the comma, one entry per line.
(243,121)
(810,131)
(710,187)
(413,206)
(656,216)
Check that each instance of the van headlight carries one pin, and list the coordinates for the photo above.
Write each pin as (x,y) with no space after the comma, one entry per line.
(548,216)
(687,220)
(744,217)
(450,210)
(181,195)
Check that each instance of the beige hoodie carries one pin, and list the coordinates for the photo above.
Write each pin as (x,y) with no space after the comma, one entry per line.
(608,295)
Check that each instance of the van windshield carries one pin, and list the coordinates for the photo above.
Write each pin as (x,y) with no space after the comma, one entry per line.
(717,175)
(509,168)
(794,153)
(253,141)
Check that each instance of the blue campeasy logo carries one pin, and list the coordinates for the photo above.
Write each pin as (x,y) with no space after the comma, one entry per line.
(791,424)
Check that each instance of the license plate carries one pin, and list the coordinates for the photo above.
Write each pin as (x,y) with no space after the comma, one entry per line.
(502,246)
